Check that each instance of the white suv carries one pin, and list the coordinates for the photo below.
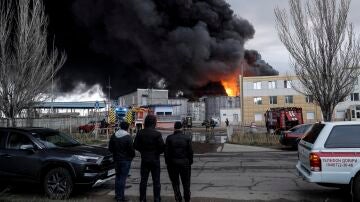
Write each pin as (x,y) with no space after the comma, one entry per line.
(329,154)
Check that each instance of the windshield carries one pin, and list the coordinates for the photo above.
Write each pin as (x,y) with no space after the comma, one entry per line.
(54,139)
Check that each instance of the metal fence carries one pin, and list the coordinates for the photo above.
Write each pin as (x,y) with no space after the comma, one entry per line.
(70,124)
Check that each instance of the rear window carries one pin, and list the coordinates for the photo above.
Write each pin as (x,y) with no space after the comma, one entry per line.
(313,134)
(344,137)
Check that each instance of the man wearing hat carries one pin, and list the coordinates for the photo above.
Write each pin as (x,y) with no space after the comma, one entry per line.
(178,158)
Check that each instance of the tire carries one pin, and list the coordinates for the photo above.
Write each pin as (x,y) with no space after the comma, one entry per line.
(356,188)
(58,183)
(81,131)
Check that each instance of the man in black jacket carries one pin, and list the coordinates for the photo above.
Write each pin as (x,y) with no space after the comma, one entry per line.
(150,144)
(121,145)
(179,157)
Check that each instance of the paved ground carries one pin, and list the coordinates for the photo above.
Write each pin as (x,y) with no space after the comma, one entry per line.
(242,173)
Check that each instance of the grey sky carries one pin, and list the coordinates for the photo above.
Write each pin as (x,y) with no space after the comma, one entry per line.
(261,14)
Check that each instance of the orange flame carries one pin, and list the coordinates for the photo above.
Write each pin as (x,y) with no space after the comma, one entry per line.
(231,86)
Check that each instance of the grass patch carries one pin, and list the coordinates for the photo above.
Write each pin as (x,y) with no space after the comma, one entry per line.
(258,139)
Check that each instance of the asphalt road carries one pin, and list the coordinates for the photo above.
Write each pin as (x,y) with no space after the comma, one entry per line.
(236,176)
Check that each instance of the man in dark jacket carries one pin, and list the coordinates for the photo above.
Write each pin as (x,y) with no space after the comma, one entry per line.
(121,145)
(150,144)
(179,157)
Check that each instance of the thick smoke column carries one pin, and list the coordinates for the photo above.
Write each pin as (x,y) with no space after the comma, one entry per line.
(139,42)
(257,66)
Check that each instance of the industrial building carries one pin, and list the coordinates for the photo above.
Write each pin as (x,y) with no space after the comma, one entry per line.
(143,97)
(213,105)
(180,106)
(264,92)
(196,110)
(350,108)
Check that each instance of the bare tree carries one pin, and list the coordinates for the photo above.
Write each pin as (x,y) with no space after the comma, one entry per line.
(27,64)
(324,49)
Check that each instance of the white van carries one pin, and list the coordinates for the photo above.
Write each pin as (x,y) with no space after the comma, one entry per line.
(329,154)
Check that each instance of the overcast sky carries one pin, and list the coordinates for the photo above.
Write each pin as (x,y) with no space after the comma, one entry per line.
(261,14)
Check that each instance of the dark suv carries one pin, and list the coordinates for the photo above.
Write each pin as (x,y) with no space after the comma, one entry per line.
(53,159)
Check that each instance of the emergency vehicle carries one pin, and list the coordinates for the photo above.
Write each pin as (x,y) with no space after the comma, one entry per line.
(329,155)
(283,118)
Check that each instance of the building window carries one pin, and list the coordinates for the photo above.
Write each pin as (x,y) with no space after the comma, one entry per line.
(287,84)
(257,85)
(258,117)
(309,99)
(289,99)
(310,115)
(354,96)
(258,100)
(272,84)
(273,100)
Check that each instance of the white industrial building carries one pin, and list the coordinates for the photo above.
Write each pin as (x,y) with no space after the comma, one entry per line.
(350,108)
(232,114)
(144,97)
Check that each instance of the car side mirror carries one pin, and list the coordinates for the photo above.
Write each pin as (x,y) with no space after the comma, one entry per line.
(27,147)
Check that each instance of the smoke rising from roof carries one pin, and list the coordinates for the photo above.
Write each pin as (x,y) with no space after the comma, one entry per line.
(257,66)
(185,44)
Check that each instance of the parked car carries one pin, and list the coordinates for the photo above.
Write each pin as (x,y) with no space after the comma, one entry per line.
(53,159)
(293,136)
(329,155)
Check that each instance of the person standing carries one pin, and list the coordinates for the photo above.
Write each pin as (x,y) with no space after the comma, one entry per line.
(150,144)
(179,158)
(227,122)
(121,145)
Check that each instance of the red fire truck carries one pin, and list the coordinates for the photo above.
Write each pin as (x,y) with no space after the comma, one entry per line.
(283,118)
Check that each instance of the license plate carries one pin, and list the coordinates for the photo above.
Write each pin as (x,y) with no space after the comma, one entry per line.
(111,172)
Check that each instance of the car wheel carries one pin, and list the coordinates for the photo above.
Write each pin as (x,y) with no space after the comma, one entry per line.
(58,183)
(81,131)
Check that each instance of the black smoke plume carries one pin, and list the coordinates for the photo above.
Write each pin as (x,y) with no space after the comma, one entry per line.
(139,42)
(257,66)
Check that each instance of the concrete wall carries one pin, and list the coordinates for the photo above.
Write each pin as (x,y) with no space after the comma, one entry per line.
(233,115)
(143,97)
(128,100)
(182,108)
(196,110)
(213,105)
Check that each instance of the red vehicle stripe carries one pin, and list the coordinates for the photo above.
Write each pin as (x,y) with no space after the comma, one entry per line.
(338,154)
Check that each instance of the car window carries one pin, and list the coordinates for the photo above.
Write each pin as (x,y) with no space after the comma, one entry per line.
(312,135)
(296,128)
(300,130)
(344,137)
(303,129)
(54,139)
(16,140)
